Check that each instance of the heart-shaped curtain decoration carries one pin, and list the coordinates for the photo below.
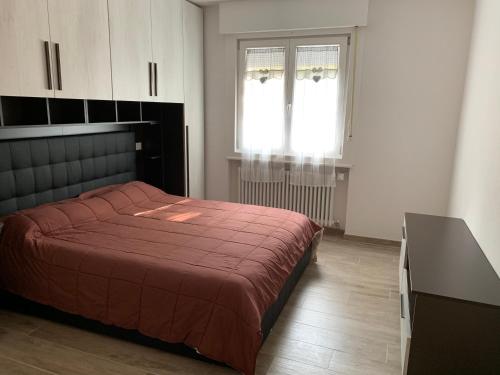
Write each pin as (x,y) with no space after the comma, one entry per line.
(264,64)
(317,62)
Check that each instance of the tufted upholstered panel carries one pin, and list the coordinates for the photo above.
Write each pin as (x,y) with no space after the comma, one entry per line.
(43,170)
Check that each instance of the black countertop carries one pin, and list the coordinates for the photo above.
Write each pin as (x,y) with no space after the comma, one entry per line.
(445,260)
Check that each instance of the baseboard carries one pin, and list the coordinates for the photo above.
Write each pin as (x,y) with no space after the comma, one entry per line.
(375,241)
(333,231)
(337,232)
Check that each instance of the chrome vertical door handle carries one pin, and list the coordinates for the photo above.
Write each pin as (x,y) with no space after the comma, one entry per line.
(58,67)
(46,46)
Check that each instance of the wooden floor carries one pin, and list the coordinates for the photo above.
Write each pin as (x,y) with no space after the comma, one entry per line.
(343,318)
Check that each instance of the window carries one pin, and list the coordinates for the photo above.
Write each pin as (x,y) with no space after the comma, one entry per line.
(291,95)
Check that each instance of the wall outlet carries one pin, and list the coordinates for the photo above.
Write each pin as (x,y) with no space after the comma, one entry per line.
(138,146)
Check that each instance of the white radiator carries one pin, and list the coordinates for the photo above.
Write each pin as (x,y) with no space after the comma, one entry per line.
(316,202)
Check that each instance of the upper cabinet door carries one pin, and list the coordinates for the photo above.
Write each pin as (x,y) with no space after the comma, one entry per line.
(168,50)
(24,42)
(194,105)
(80,40)
(131,50)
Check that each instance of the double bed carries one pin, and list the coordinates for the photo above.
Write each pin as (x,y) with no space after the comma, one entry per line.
(210,275)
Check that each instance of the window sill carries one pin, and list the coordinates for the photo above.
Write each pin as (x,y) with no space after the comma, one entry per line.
(338,164)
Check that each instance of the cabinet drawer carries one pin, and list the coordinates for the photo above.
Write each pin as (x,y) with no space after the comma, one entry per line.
(405,322)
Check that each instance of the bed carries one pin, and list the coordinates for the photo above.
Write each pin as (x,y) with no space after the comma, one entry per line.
(210,275)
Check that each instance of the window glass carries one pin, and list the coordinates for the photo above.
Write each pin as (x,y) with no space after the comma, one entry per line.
(315,99)
(263,120)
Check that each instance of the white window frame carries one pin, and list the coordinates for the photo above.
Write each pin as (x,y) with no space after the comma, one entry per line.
(290,44)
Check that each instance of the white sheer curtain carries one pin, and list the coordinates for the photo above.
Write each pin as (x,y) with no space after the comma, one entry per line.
(263,117)
(314,116)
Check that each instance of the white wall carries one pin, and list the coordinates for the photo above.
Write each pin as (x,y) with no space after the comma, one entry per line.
(265,15)
(475,193)
(413,70)
(411,73)
(219,106)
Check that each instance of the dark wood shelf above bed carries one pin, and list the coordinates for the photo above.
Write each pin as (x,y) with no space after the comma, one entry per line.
(102,111)
(19,111)
(66,111)
(159,130)
(16,112)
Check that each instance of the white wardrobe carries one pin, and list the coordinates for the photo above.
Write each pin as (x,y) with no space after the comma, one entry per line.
(109,50)
(146,39)
(55,48)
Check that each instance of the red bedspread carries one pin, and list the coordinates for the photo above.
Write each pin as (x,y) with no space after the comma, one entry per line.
(182,270)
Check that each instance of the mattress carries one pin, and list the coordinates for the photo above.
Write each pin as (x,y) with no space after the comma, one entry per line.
(201,273)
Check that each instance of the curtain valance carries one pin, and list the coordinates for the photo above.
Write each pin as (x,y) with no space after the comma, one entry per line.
(265,63)
(317,62)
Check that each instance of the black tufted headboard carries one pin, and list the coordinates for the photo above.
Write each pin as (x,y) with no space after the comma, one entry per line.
(43,170)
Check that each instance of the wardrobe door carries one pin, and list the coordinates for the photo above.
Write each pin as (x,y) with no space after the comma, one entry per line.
(131,51)
(166,18)
(24,48)
(80,40)
(194,104)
